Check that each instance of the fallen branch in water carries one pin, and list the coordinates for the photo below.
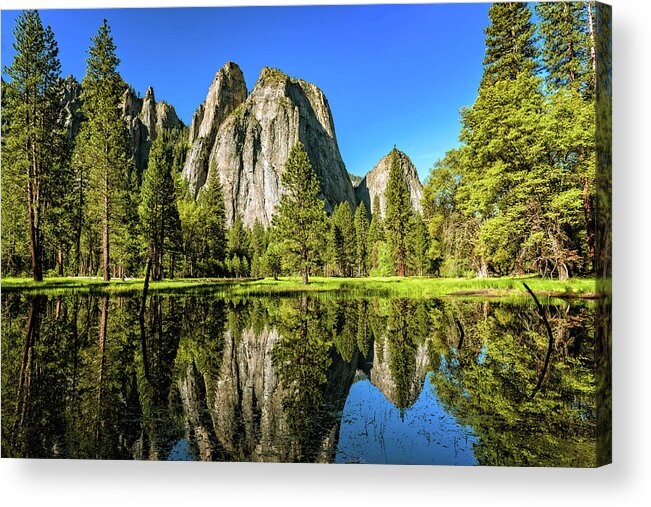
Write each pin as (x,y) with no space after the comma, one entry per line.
(543,316)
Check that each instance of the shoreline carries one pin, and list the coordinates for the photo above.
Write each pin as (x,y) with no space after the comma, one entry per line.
(411,287)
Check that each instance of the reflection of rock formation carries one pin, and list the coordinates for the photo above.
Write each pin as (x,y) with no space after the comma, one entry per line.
(401,391)
(246,408)
(192,391)
(246,417)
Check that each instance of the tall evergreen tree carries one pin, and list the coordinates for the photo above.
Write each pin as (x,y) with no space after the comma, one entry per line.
(510,47)
(564,27)
(300,219)
(159,216)
(343,238)
(398,215)
(104,145)
(361,239)
(568,52)
(375,234)
(257,247)
(213,224)
(418,246)
(33,141)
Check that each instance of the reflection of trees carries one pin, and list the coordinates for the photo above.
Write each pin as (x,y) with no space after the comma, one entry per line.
(401,361)
(266,379)
(302,359)
(154,363)
(490,389)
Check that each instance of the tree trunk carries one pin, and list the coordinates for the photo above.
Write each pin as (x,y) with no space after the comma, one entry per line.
(593,47)
(141,319)
(587,213)
(105,232)
(570,46)
(401,262)
(483,269)
(78,257)
(34,243)
(103,323)
(60,260)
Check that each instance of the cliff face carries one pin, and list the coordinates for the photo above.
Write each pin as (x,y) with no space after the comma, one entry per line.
(375,182)
(71,108)
(145,119)
(226,93)
(253,138)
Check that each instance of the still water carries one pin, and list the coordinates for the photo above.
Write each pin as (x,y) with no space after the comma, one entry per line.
(304,379)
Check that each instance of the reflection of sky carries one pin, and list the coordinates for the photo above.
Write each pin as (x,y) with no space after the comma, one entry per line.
(180,452)
(373,430)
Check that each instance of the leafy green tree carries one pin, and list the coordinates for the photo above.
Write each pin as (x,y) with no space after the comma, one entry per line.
(104,147)
(273,260)
(398,215)
(33,154)
(568,50)
(361,239)
(159,216)
(299,219)
(452,235)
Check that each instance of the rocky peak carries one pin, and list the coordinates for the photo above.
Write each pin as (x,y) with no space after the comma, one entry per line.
(252,144)
(375,182)
(145,119)
(72,107)
(226,93)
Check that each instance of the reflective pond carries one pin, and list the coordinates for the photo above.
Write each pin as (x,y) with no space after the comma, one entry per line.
(297,379)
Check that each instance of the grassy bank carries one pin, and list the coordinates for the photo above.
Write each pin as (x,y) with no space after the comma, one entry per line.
(393,286)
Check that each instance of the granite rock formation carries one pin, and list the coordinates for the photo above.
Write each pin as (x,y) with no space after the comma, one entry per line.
(375,182)
(145,118)
(247,141)
(226,93)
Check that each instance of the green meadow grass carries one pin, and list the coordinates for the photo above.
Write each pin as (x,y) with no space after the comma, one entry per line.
(412,287)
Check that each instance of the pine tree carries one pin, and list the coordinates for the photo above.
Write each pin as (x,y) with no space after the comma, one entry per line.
(104,147)
(418,246)
(159,216)
(343,238)
(510,47)
(568,56)
(361,239)
(213,223)
(258,247)
(33,141)
(503,140)
(564,27)
(375,234)
(238,239)
(299,219)
(398,214)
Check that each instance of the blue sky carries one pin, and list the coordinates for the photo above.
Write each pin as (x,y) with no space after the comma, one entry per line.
(393,74)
